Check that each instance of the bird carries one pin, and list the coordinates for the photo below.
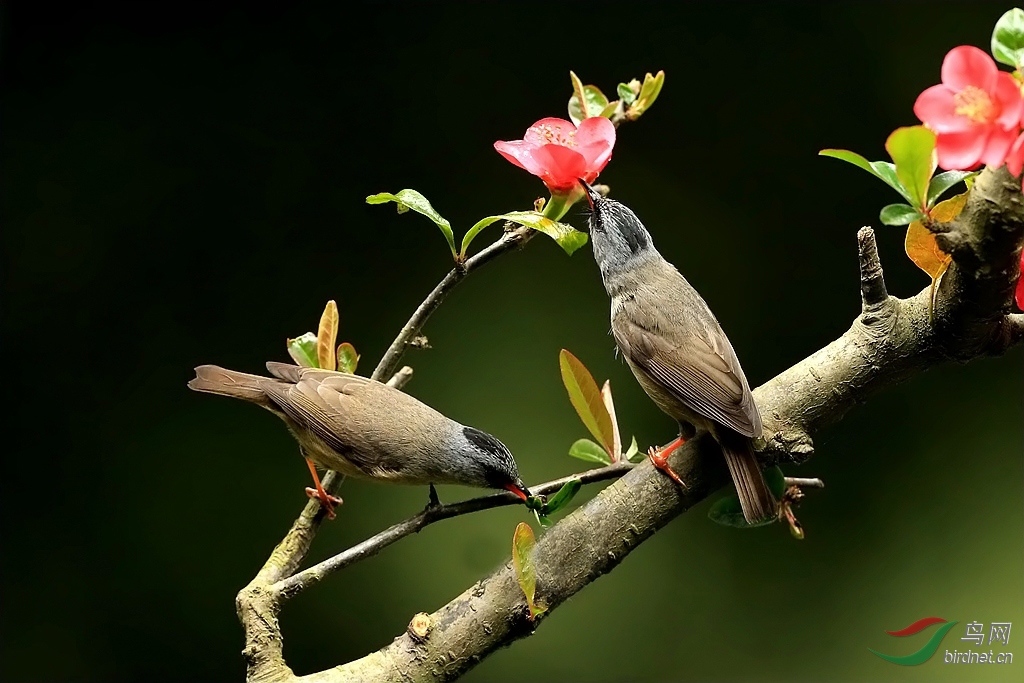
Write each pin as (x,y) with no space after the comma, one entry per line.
(677,350)
(363,428)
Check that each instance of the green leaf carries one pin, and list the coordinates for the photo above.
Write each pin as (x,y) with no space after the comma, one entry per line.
(562,497)
(585,449)
(564,235)
(633,454)
(348,359)
(912,149)
(596,104)
(578,114)
(727,511)
(626,93)
(523,543)
(610,110)
(586,398)
(649,92)
(326,335)
(776,481)
(1008,38)
(883,170)
(899,214)
(411,199)
(303,350)
(943,182)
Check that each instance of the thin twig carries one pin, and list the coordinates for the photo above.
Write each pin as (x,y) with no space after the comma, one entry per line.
(313,575)
(507,242)
(806,483)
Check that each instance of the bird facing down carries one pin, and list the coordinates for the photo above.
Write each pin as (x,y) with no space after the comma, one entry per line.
(676,349)
(362,428)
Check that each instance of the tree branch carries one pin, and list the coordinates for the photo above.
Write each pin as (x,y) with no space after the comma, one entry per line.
(883,347)
(313,575)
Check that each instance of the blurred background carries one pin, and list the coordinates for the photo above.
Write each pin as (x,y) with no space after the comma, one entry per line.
(186,185)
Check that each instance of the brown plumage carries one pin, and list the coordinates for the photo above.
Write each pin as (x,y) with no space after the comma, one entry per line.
(677,350)
(363,428)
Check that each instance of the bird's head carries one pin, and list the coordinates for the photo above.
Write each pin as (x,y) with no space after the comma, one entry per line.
(619,239)
(493,462)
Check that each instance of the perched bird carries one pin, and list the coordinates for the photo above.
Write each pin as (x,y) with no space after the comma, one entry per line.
(677,350)
(360,427)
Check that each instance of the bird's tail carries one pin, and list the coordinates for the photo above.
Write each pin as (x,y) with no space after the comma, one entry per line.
(756,499)
(216,380)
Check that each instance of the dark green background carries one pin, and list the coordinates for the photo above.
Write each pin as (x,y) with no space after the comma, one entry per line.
(185,186)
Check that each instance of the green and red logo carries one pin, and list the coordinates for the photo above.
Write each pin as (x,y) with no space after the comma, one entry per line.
(929,648)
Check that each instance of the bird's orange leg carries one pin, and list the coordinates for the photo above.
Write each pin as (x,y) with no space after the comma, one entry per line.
(326,500)
(659,457)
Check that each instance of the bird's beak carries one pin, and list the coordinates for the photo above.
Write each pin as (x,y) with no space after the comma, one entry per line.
(592,194)
(518,488)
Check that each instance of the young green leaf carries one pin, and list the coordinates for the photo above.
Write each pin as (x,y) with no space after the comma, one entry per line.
(326,335)
(633,454)
(577,93)
(899,214)
(912,149)
(942,182)
(586,399)
(883,170)
(566,236)
(609,404)
(596,102)
(411,199)
(348,359)
(1008,38)
(562,497)
(626,93)
(303,350)
(649,92)
(523,543)
(585,449)
(727,511)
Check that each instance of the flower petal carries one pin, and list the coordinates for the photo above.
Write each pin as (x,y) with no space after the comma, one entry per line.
(595,139)
(561,167)
(936,108)
(513,150)
(550,131)
(968,65)
(997,146)
(961,151)
(1015,157)
(1019,294)
(1006,93)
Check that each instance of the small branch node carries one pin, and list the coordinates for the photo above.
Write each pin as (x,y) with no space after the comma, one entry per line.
(419,627)
(805,483)
(872,282)
(400,378)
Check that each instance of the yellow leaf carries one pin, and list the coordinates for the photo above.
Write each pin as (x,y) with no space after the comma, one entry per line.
(924,251)
(523,543)
(606,394)
(326,335)
(348,359)
(586,398)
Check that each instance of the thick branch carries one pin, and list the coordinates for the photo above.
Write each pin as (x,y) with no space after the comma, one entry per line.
(882,348)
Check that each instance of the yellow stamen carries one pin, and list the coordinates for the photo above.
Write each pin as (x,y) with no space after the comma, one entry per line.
(975,104)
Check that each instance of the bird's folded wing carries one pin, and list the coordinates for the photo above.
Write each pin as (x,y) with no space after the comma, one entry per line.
(326,405)
(700,369)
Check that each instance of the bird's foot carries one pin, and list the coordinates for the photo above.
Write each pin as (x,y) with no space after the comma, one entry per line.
(327,501)
(659,458)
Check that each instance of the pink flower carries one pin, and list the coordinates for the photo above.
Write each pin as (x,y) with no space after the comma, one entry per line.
(975,112)
(1019,294)
(559,153)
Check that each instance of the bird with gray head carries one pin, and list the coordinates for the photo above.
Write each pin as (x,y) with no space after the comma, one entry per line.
(677,350)
(362,428)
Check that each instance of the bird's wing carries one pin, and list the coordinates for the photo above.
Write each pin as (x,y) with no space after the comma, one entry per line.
(697,366)
(327,403)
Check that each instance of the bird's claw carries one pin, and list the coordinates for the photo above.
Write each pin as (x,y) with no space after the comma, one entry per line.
(327,501)
(659,458)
